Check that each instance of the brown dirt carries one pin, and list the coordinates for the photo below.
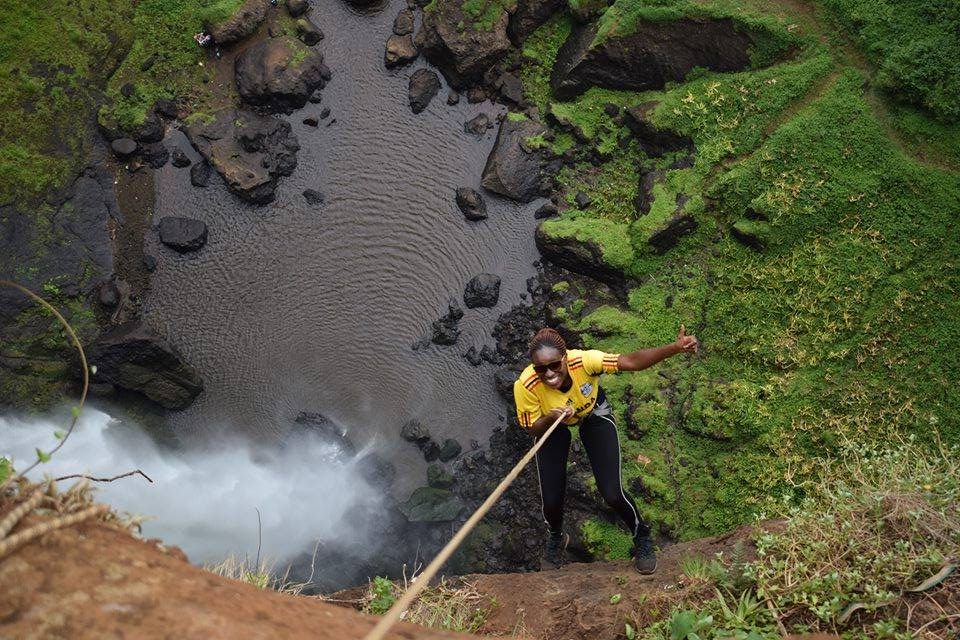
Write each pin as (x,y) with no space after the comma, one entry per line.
(95,580)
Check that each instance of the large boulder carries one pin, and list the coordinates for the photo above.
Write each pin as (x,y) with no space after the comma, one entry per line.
(580,256)
(483,290)
(240,24)
(649,56)
(400,50)
(529,15)
(462,48)
(182,234)
(428,504)
(424,85)
(279,74)
(133,357)
(514,167)
(471,204)
(248,150)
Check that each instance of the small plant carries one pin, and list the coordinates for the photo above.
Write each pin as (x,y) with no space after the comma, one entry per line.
(260,576)
(454,608)
(382,595)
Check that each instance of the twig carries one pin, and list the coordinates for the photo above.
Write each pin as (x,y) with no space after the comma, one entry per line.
(50,525)
(947,618)
(259,538)
(122,475)
(776,617)
(83,363)
(9,522)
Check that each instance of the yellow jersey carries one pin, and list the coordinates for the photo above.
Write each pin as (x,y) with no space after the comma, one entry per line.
(533,398)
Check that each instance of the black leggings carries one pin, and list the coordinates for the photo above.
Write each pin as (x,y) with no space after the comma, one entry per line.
(599,436)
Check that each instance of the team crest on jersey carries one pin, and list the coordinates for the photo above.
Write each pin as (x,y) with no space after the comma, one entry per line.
(586,389)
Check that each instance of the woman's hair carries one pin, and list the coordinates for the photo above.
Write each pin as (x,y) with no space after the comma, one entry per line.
(547,337)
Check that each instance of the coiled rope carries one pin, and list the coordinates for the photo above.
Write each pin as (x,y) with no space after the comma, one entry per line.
(403,603)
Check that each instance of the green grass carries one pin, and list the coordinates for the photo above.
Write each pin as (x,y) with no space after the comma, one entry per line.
(486,13)
(540,53)
(605,541)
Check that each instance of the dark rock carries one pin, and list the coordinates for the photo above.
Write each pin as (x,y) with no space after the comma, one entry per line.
(324,113)
(322,427)
(182,234)
(315,98)
(376,470)
(166,109)
(478,125)
(471,204)
(297,8)
(313,197)
(400,50)
(582,200)
(683,162)
(483,290)
(645,190)
(753,233)
(309,33)
(476,94)
(430,450)
(251,152)
(311,121)
(148,63)
(510,89)
(279,74)
(580,256)
(200,174)
(325,74)
(428,504)
(150,130)
(462,50)
(513,169)
(439,478)
(546,211)
(649,56)
(490,355)
(584,12)
(453,98)
(655,142)
(155,154)
(133,357)
(611,110)
(503,379)
(446,329)
(473,357)
(528,15)
(424,85)
(668,235)
(449,450)
(123,148)
(180,159)
(403,23)
(413,431)
(149,263)
(241,24)
(127,90)
(109,295)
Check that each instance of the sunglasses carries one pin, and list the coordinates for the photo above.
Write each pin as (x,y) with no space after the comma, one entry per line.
(554,366)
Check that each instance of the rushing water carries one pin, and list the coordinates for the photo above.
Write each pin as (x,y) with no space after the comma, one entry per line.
(292,308)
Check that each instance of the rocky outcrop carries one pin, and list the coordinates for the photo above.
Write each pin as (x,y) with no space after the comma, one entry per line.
(297,8)
(678,225)
(428,504)
(400,50)
(651,55)
(403,23)
(182,234)
(135,358)
(579,256)
(483,290)
(654,141)
(478,124)
(446,329)
(279,74)
(514,168)
(424,85)
(241,24)
(250,151)
(461,49)
(471,204)
(529,15)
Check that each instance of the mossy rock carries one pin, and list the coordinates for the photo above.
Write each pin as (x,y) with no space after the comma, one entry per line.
(428,504)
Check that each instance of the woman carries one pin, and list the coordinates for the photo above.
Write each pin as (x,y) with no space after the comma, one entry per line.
(561,382)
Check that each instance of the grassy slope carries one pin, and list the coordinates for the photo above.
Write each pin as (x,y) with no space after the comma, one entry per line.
(844,326)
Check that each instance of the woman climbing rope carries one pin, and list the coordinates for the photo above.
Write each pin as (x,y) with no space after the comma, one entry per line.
(567,382)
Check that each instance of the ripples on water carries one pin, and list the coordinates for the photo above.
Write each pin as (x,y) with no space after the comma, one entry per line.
(291,308)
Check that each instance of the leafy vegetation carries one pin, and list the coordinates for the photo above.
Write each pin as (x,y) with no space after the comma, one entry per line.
(445,606)
(605,541)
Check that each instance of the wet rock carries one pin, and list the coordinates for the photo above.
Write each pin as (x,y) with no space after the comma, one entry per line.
(461,50)
(309,33)
(315,98)
(449,450)
(513,169)
(439,478)
(453,98)
(483,290)
(403,23)
(424,85)
(476,94)
(478,125)
(376,470)
(180,159)
(123,148)
(155,154)
(399,51)
(322,427)
(109,295)
(490,355)
(413,431)
(297,8)
(446,329)
(182,234)
(530,14)
(250,151)
(580,256)
(135,358)
(471,203)
(649,56)
(582,200)
(313,197)
(510,89)
(430,450)
(654,141)
(324,113)
(311,121)
(503,379)
(149,262)
(473,357)
(241,24)
(546,211)
(150,130)
(428,504)
(648,181)
(278,74)
(166,109)
(200,174)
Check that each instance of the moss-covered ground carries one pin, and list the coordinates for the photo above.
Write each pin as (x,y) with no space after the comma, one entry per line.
(844,325)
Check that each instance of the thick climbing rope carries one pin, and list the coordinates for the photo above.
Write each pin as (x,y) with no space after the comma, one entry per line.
(404,602)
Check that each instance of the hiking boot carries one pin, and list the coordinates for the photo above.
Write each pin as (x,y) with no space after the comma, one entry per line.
(645,560)
(555,548)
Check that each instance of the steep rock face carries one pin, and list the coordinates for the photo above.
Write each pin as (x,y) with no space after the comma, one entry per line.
(654,141)
(135,358)
(248,150)
(279,74)
(514,169)
(583,257)
(649,57)
(529,15)
(461,50)
(241,24)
